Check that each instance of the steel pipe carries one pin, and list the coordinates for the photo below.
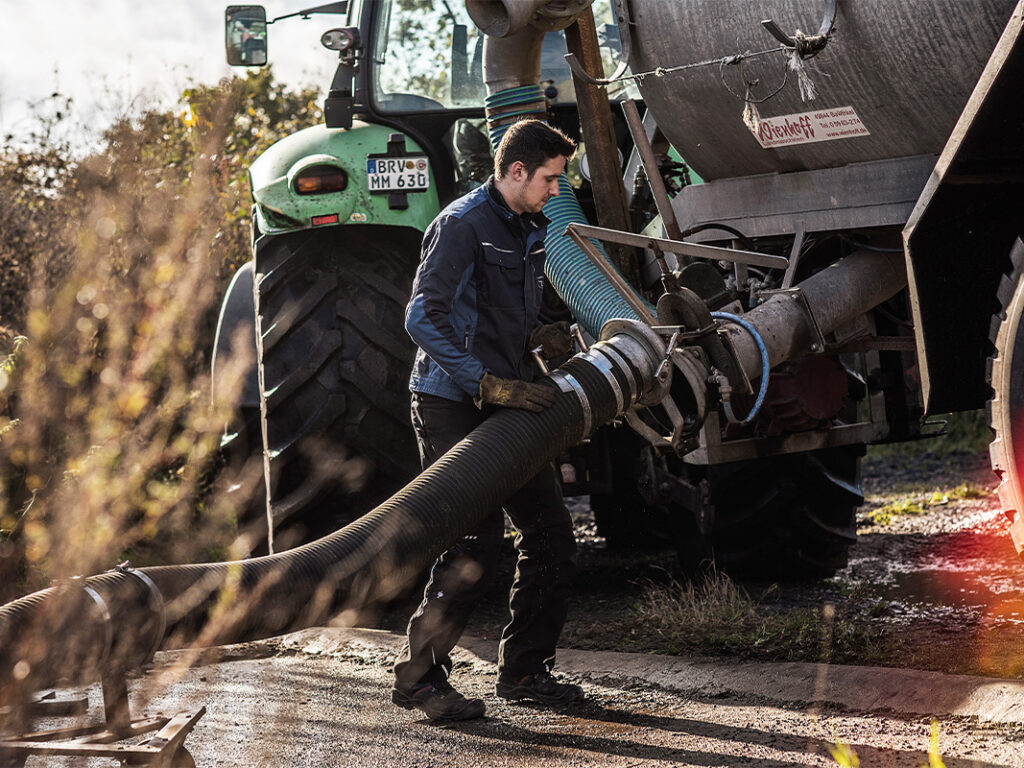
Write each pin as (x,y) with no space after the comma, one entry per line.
(792,322)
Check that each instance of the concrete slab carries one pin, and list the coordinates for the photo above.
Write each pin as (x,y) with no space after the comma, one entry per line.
(858,689)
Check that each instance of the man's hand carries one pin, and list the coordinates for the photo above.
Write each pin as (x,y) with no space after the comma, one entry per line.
(554,339)
(512,393)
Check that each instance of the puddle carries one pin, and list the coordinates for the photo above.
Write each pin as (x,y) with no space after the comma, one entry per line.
(954,565)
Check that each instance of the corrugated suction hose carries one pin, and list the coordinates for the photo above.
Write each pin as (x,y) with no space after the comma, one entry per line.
(588,294)
(116,620)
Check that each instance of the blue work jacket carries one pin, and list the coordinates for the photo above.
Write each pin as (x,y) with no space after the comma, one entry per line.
(477,295)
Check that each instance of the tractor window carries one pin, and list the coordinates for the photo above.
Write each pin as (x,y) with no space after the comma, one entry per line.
(429,55)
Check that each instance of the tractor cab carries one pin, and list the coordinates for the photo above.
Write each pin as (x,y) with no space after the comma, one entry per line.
(418,68)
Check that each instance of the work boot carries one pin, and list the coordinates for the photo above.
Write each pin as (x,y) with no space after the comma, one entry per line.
(438,701)
(540,687)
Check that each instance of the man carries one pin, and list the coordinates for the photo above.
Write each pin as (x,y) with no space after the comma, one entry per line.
(474,315)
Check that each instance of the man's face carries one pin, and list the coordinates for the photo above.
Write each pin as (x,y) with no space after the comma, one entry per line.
(530,193)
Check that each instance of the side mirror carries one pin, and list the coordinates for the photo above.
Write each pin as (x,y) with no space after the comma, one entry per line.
(245,35)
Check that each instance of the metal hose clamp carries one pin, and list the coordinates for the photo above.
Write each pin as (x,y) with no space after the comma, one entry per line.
(156,603)
(604,366)
(107,624)
(567,383)
(622,362)
(646,350)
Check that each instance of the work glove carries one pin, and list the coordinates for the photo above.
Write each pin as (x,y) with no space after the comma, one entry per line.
(554,339)
(513,393)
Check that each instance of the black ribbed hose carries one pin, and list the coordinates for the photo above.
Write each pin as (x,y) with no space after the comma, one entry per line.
(116,620)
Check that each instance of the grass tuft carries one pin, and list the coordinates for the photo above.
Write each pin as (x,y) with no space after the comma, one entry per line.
(715,616)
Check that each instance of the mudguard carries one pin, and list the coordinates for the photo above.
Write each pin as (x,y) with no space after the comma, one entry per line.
(279,208)
(958,238)
(238,312)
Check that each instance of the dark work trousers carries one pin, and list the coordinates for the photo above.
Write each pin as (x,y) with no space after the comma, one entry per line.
(544,571)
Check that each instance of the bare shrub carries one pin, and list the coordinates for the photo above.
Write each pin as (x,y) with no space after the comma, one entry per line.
(114,265)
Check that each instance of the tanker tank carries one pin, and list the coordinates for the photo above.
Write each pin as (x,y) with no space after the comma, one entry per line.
(893,78)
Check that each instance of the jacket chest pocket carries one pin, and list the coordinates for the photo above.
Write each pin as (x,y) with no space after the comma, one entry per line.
(503,271)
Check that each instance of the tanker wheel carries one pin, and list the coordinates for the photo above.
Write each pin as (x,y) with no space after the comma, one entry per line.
(334,367)
(622,515)
(790,516)
(1006,408)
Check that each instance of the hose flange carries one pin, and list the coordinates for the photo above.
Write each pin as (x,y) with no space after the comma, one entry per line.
(646,352)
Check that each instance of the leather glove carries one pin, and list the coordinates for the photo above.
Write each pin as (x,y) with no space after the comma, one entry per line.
(554,339)
(513,393)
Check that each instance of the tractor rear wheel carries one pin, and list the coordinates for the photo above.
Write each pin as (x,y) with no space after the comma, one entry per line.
(334,362)
(1006,408)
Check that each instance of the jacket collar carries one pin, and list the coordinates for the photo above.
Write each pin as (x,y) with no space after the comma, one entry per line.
(520,222)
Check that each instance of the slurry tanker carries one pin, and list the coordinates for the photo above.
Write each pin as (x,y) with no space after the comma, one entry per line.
(791,232)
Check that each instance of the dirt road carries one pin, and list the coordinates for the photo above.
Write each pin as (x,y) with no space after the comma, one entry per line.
(320,698)
(937,582)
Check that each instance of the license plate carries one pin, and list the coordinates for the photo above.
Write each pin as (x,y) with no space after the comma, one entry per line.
(397,174)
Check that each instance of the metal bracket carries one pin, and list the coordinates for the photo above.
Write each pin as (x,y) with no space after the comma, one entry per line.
(794,255)
(582,74)
(650,165)
(618,282)
(581,231)
(806,45)
(538,358)
(683,437)
(819,343)
(98,739)
(577,334)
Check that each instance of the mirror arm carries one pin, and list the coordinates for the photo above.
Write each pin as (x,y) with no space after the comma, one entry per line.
(339,8)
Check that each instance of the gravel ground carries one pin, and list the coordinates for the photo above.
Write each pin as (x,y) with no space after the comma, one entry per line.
(942,584)
(271,704)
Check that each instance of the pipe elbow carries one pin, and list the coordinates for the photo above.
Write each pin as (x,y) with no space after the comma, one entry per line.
(503,18)
(512,61)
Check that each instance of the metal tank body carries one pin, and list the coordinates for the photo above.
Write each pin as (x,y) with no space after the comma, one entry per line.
(906,67)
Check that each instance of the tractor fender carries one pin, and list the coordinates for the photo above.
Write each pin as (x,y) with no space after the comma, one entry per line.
(280,207)
(959,236)
(238,312)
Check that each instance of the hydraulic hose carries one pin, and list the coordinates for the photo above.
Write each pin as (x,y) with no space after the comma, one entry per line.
(765,366)
(117,620)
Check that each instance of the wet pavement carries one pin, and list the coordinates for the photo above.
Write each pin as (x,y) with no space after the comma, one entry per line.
(942,576)
(321,699)
(942,566)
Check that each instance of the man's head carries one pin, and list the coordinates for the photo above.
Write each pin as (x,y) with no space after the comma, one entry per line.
(528,163)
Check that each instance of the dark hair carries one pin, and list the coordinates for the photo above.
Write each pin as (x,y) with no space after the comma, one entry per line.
(532,142)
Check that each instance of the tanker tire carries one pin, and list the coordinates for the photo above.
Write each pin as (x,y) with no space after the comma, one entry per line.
(622,515)
(334,367)
(789,516)
(1006,408)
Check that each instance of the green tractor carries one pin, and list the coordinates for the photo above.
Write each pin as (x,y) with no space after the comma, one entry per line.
(339,211)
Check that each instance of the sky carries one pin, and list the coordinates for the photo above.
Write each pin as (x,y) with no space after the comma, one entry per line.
(111,56)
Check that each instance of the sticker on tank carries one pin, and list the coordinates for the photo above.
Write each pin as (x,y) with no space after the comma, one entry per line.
(809,127)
